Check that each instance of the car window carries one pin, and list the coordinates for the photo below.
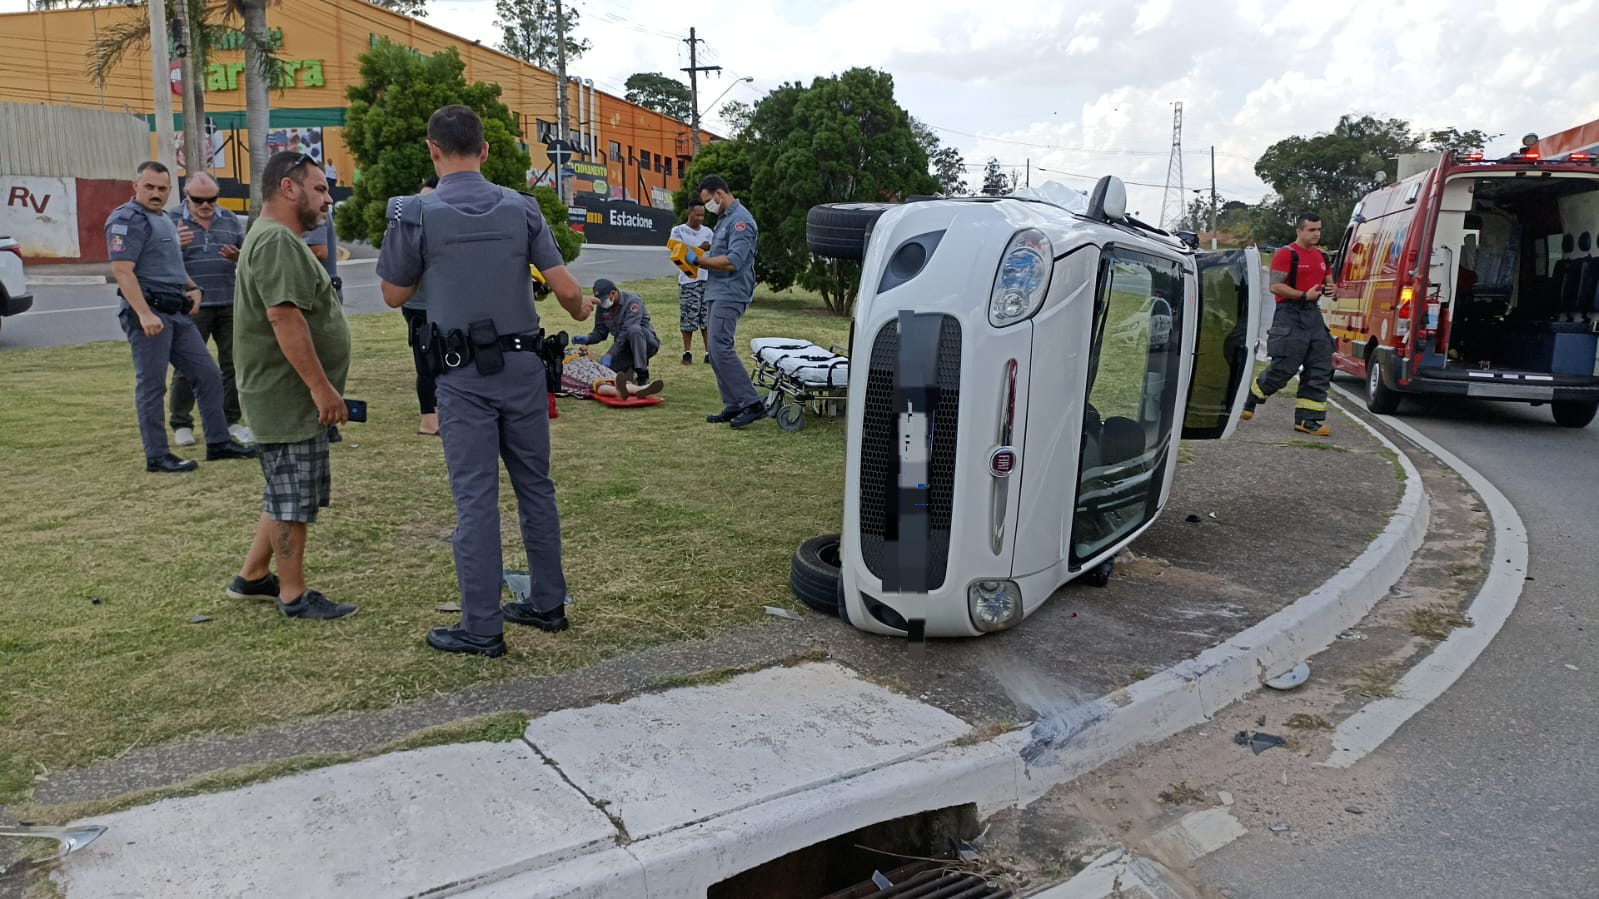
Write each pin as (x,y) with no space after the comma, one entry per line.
(1132,396)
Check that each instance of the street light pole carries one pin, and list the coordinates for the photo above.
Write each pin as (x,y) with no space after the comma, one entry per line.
(736,83)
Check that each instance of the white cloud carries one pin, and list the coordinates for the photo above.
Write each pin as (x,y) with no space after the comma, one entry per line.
(1087,87)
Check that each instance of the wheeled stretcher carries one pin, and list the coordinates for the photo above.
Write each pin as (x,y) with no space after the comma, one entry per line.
(796,375)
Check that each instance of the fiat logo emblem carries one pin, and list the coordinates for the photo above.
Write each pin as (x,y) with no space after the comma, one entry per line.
(1001,462)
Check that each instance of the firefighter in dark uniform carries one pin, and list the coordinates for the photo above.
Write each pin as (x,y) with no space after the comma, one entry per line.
(158,296)
(621,315)
(1298,341)
(469,244)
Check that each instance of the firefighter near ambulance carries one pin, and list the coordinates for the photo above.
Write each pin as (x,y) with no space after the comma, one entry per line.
(1298,342)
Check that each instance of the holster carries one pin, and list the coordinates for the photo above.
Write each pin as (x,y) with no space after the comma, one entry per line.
(485,347)
(168,303)
(433,349)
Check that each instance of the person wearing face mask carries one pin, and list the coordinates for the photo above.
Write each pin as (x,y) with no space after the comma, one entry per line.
(729,290)
(623,317)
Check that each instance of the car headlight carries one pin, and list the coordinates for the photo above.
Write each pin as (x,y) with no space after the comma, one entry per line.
(994,604)
(1022,280)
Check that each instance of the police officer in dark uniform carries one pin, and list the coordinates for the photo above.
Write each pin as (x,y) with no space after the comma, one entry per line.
(469,244)
(158,298)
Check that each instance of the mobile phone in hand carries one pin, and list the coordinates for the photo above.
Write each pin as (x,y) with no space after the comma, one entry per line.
(356,408)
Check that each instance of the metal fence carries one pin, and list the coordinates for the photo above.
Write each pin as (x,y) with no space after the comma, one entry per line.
(69,142)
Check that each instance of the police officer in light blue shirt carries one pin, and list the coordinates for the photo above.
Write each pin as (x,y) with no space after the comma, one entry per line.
(468,244)
(158,298)
(729,290)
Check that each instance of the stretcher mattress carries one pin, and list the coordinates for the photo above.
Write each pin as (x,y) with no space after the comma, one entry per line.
(832,371)
(802,361)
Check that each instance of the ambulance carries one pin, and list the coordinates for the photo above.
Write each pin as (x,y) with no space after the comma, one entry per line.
(1475,277)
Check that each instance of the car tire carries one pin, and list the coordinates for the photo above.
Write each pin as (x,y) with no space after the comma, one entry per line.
(815,574)
(1380,398)
(1574,414)
(840,230)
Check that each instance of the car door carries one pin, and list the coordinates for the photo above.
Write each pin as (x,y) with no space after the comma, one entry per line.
(1230,290)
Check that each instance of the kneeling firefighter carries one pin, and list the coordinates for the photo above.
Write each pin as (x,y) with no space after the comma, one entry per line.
(469,243)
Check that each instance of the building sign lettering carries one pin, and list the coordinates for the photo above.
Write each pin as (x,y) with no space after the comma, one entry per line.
(233,39)
(224,76)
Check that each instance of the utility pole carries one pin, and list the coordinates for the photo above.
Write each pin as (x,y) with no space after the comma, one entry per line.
(196,149)
(1213,225)
(1171,206)
(161,77)
(693,70)
(560,103)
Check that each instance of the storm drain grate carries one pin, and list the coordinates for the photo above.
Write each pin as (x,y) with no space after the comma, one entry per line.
(925,880)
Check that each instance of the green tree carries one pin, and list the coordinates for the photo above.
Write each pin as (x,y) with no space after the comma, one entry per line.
(667,96)
(737,115)
(728,158)
(1329,173)
(994,181)
(555,213)
(1454,139)
(527,31)
(386,130)
(843,139)
(209,19)
(946,162)
(414,8)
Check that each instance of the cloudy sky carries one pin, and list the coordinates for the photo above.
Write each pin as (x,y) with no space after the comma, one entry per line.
(1086,88)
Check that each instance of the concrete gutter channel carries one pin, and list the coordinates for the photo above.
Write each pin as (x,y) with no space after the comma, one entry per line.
(666,794)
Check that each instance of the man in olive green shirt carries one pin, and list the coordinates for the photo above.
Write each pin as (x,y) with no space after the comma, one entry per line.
(291,350)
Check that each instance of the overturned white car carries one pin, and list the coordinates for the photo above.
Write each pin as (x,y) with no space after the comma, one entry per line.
(1021,370)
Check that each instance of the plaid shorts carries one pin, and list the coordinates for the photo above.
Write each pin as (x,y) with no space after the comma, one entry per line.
(692,310)
(298,479)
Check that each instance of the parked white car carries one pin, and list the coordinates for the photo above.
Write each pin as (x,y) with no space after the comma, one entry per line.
(14,295)
(1022,369)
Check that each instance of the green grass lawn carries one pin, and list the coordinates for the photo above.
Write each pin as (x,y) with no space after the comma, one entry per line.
(673,530)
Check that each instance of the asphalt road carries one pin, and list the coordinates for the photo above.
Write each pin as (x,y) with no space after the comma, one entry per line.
(68,315)
(1498,788)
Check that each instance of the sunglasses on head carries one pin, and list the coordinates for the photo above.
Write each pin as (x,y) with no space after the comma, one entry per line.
(202,201)
(304,159)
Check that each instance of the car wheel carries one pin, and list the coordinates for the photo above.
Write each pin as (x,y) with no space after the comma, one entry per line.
(840,230)
(815,575)
(1574,414)
(1379,397)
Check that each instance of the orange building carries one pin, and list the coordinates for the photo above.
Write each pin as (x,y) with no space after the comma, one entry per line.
(626,151)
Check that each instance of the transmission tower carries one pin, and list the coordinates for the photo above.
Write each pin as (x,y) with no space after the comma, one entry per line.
(1171,204)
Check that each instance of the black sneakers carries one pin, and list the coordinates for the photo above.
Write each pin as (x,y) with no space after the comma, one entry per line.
(260,588)
(723,417)
(456,639)
(749,415)
(169,464)
(316,607)
(523,613)
(228,449)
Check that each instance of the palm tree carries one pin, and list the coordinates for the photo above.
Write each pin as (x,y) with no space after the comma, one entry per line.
(208,20)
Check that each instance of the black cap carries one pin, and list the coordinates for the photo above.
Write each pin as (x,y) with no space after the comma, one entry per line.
(603,287)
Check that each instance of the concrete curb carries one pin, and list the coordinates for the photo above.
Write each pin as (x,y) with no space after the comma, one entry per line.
(993,775)
(1359,734)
